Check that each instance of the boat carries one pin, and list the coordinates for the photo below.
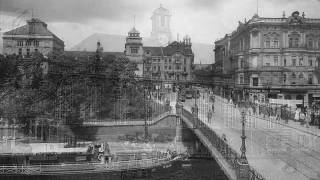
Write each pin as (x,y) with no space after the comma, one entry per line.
(96,159)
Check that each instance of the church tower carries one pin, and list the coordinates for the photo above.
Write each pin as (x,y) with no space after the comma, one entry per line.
(161,25)
(133,49)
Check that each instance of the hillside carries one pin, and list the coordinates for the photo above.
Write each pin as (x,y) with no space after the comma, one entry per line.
(115,43)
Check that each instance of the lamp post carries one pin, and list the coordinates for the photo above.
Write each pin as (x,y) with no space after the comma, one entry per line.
(243,171)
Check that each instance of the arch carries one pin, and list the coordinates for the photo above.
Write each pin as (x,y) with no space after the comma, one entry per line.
(301,75)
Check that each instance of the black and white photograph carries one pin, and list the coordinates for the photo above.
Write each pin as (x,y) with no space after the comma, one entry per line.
(159,89)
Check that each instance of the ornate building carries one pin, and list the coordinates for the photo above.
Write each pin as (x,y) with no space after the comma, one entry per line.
(161,25)
(171,63)
(273,58)
(32,37)
(134,49)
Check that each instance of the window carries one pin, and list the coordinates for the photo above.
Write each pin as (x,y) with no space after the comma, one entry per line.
(284,78)
(134,50)
(310,78)
(165,67)
(20,51)
(267,60)
(154,68)
(19,43)
(300,61)
(241,63)
(28,52)
(169,60)
(310,43)
(185,69)
(294,42)
(294,63)
(275,43)
(284,62)
(310,61)
(36,43)
(28,43)
(185,61)
(267,43)
(275,60)
(293,75)
(177,67)
(169,67)
(166,61)
(255,81)
(241,79)
(158,68)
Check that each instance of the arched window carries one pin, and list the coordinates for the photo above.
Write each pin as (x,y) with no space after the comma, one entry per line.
(301,76)
(293,76)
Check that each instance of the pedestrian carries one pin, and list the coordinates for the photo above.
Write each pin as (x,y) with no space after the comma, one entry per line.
(212,107)
(302,118)
(278,113)
(297,115)
(209,116)
(308,118)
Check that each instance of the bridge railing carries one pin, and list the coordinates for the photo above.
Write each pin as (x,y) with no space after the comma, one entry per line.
(220,144)
(65,168)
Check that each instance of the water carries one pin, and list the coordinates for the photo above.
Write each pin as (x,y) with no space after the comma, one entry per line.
(170,133)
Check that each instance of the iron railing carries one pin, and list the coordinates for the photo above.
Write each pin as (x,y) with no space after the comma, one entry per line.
(220,144)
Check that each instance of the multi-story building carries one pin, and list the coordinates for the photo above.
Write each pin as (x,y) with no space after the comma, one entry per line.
(273,58)
(169,63)
(32,37)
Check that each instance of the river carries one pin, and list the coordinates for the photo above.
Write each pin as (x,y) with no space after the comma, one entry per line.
(170,133)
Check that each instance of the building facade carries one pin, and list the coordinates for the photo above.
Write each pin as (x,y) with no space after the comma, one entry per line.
(32,37)
(171,63)
(161,25)
(273,58)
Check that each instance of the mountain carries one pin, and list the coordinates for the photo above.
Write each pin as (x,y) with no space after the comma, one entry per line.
(115,43)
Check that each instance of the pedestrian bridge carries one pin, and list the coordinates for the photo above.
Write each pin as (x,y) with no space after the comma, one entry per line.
(223,153)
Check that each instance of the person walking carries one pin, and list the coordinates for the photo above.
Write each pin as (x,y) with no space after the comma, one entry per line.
(297,115)
(209,116)
(308,118)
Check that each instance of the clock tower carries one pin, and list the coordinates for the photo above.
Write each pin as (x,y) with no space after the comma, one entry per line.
(161,25)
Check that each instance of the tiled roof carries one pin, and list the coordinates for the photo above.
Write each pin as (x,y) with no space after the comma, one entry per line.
(39,30)
(169,50)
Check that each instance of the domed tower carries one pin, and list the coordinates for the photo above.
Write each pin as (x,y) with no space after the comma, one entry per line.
(133,46)
(134,50)
(161,25)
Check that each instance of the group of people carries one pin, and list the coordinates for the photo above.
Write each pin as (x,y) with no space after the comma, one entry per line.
(307,116)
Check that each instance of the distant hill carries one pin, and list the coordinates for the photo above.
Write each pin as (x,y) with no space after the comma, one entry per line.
(115,43)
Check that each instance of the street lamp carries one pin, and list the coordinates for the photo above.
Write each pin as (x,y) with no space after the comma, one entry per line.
(243,171)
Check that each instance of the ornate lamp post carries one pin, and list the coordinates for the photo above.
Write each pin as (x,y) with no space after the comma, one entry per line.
(243,171)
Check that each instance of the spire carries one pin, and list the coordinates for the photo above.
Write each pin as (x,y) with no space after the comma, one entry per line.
(134,21)
(283,14)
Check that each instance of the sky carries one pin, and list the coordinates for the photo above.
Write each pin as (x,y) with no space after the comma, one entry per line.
(204,21)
